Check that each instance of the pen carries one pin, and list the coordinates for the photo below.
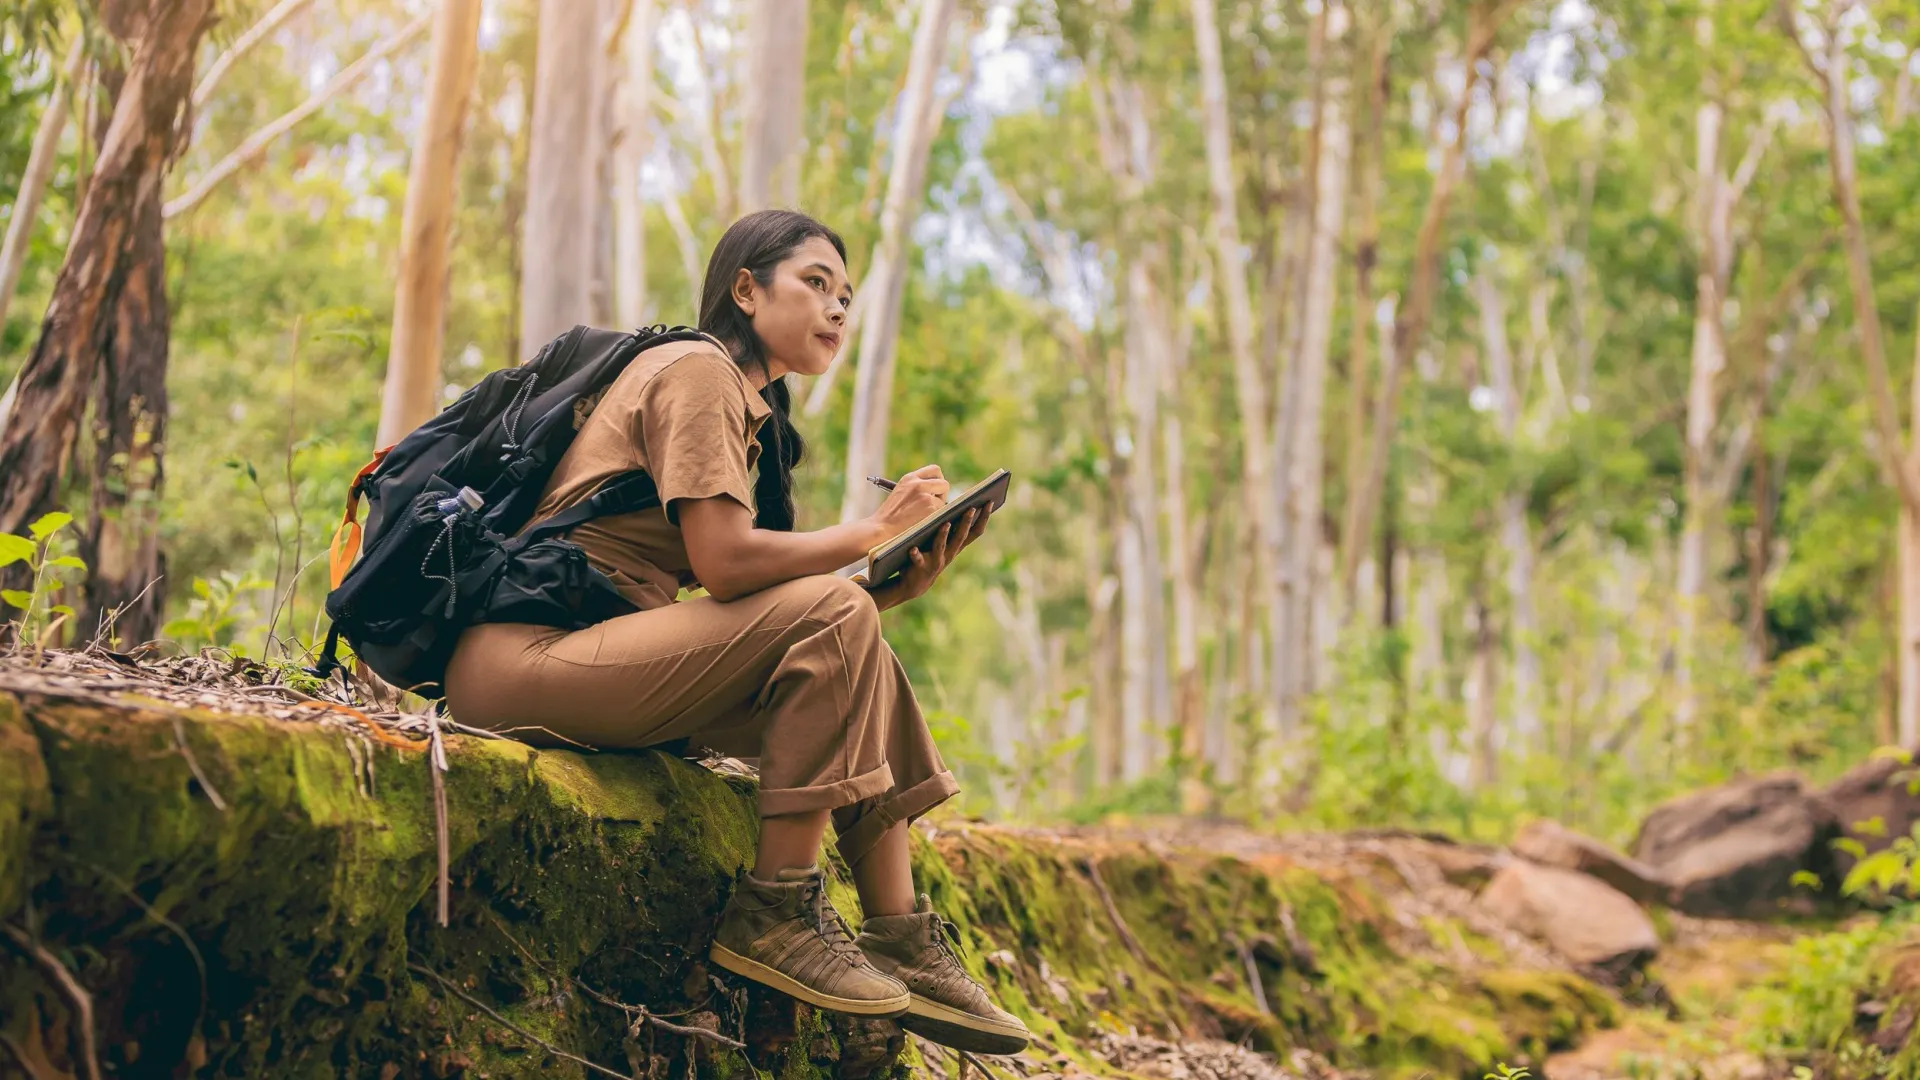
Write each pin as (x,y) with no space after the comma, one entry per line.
(881,481)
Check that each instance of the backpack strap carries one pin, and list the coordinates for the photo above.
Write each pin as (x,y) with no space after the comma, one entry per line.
(624,494)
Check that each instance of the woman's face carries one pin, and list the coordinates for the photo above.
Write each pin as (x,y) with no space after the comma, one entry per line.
(801,315)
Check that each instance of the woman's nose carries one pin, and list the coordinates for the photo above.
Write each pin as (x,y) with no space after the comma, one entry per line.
(838,314)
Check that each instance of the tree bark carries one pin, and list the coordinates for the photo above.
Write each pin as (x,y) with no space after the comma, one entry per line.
(636,122)
(563,170)
(1250,386)
(108,297)
(776,82)
(33,183)
(918,122)
(1293,647)
(419,304)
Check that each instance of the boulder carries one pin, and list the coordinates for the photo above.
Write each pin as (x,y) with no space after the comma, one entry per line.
(1553,844)
(1586,920)
(1876,788)
(1732,850)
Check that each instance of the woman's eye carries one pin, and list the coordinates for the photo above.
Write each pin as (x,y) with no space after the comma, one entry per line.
(818,283)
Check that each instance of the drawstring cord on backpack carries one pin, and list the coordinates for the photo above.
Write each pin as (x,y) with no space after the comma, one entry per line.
(453,586)
(516,408)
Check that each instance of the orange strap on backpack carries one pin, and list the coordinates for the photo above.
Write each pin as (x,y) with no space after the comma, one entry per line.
(346,539)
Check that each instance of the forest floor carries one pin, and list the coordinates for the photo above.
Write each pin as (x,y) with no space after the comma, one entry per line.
(1696,1019)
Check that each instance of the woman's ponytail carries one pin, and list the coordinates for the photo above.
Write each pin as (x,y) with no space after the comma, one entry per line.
(781,448)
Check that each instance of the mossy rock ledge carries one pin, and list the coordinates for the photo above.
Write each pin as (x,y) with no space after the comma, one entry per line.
(286,935)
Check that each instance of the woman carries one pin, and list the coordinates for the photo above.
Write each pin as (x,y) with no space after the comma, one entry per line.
(781,659)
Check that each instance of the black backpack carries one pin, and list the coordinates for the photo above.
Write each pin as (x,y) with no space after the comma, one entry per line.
(445,505)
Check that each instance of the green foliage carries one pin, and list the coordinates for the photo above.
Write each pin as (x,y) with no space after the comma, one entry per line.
(213,616)
(38,615)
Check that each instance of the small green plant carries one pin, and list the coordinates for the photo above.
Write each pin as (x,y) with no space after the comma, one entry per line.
(39,617)
(1503,1071)
(210,618)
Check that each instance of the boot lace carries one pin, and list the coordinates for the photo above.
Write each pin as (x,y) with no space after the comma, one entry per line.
(827,920)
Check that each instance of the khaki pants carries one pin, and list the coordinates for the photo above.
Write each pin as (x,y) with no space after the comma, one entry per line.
(796,675)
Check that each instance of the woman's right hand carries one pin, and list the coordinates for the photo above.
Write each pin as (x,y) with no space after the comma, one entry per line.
(918,494)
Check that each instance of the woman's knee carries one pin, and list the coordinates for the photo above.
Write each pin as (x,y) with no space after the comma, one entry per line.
(838,599)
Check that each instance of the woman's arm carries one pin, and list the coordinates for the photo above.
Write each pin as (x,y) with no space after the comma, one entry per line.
(731,558)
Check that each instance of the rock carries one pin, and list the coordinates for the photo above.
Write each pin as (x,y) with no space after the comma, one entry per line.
(1876,788)
(1553,844)
(1586,920)
(1733,850)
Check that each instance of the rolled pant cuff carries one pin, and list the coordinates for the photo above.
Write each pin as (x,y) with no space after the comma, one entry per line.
(800,800)
(907,805)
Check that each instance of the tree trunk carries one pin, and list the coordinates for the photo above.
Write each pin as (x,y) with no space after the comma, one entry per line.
(1516,541)
(1250,387)
(1709,359)
(109,296)
(1481,723)
(776,82)
(1188,712)
(1907,712)
(1148,349)
(1410,328)
(636,124)
(33,182)
(1293,647)
(1898,461)
(1371,154)
(917,124)
(412,389)
(563,170)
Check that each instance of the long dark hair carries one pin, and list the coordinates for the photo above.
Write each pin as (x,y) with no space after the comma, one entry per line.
(757,243)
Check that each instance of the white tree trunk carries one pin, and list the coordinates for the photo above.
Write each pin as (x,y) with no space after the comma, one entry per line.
(1188,714)
(420,297)
(1293,647)
(33,182)
(636,124)
(1136,687)
(1515,539)
(563,171)
(1250,388)
(776,82)
(1907,711)
(1148,349)
(1702,401)
(917,123)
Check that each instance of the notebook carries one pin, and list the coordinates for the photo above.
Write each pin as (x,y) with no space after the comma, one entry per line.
(887,559)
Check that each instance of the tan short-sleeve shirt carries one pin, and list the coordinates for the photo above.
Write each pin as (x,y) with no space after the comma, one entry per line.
(686,414)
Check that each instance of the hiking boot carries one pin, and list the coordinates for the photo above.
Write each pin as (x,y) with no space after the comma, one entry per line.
(785,935)
(948,1007)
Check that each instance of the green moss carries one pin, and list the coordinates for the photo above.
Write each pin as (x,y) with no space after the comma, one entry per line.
(311,898)
(23,799)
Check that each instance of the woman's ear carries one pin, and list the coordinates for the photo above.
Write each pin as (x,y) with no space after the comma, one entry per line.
(745,294)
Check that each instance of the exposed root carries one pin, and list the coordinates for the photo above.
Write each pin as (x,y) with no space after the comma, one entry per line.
(76,996)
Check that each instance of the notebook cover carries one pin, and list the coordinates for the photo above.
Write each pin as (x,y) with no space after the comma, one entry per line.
(888,559)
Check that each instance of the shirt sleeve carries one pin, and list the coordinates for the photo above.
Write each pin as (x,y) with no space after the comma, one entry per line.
(693,426)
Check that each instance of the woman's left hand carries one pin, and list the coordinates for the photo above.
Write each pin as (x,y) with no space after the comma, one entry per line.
(927,565)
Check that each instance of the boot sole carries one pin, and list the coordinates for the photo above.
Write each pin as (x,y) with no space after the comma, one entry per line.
(769,977)
(961,1030)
